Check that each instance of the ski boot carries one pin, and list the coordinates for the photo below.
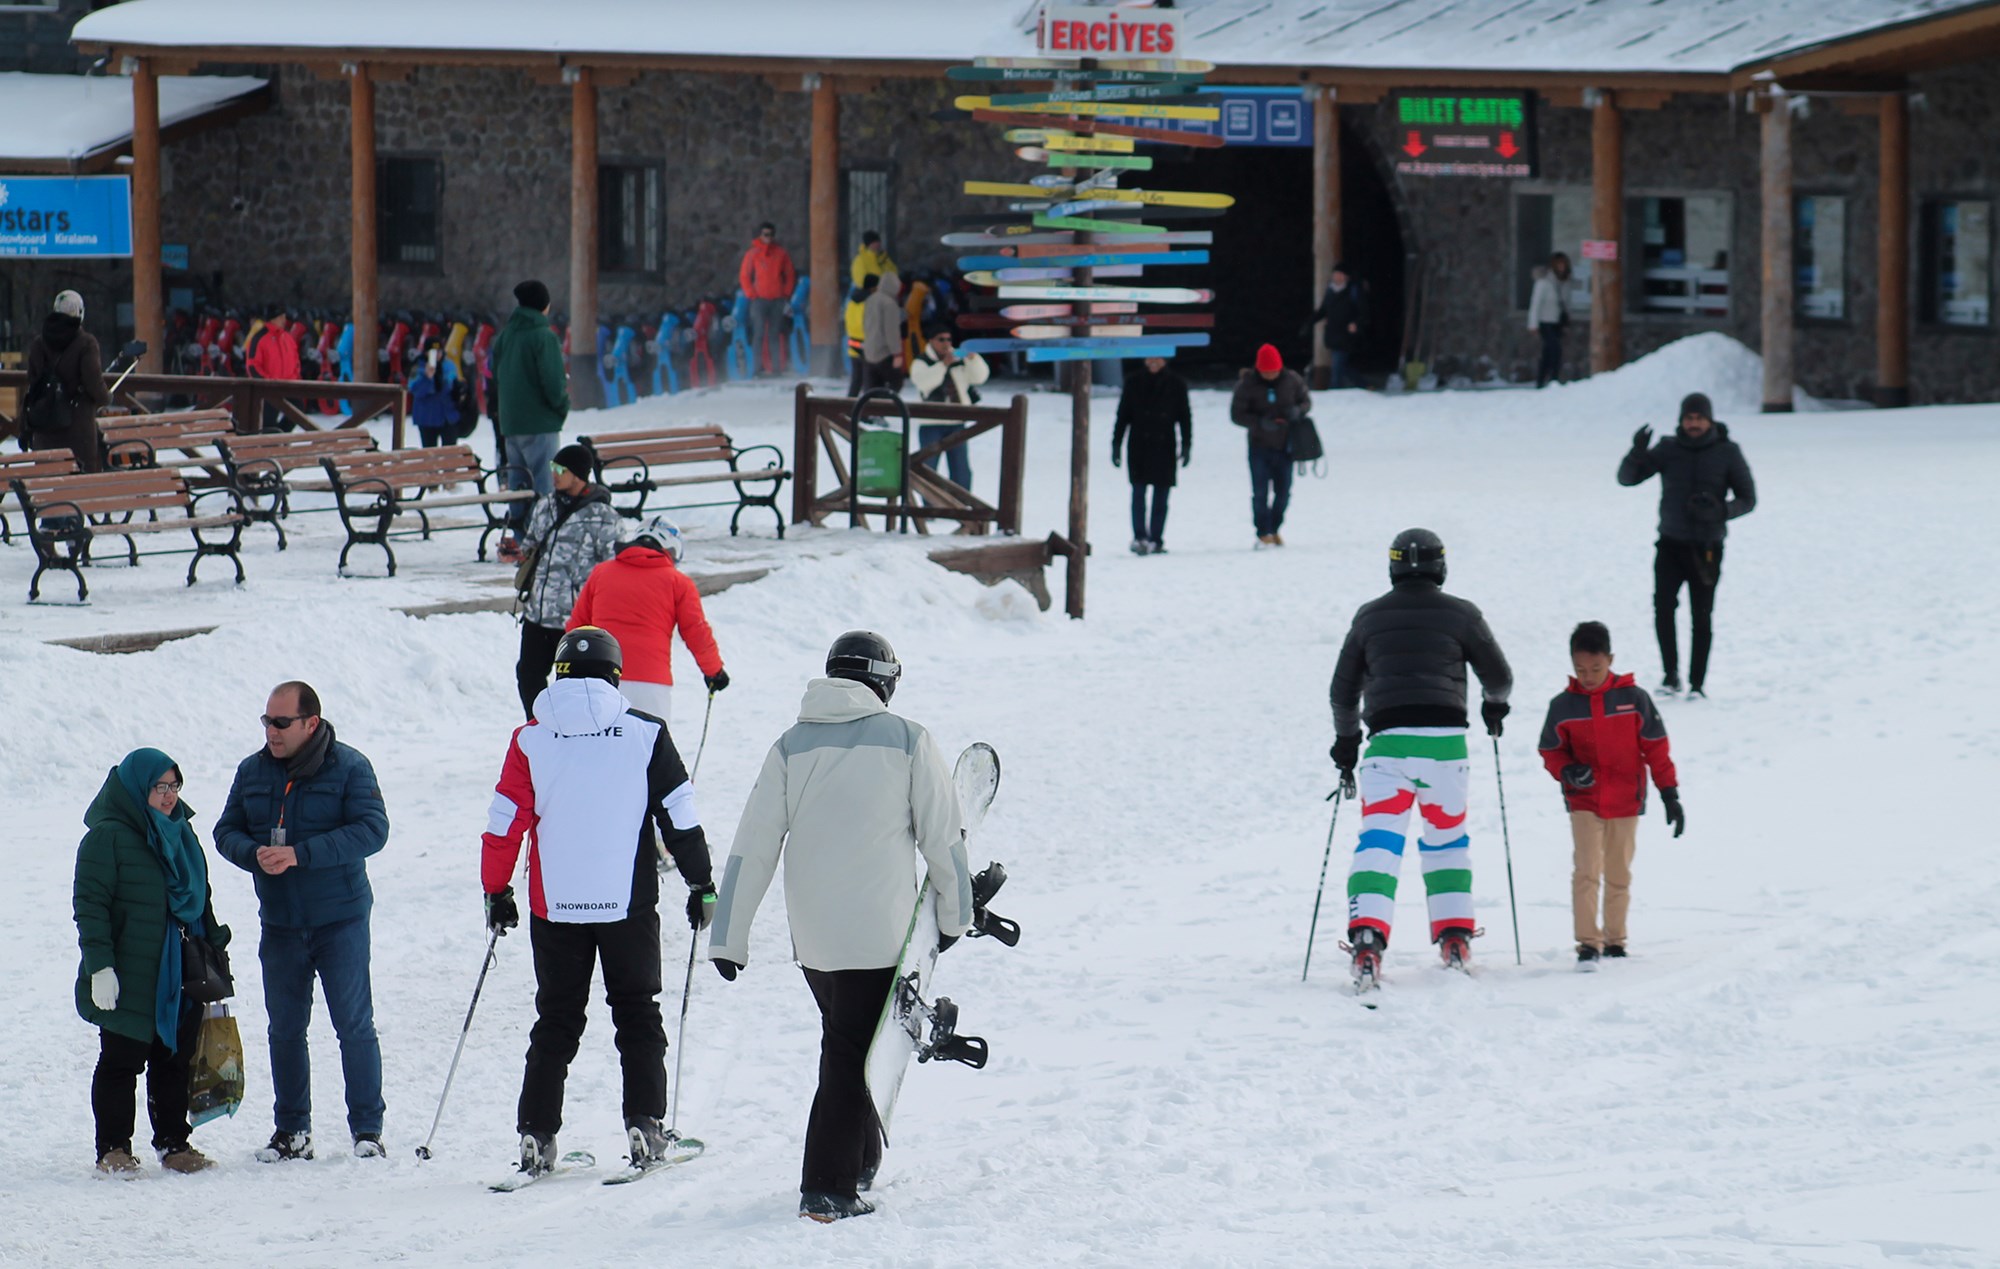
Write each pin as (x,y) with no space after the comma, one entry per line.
(828,1208)
(538,1154)
(1367,945)
(1455,946)
(284,1146)
(649,1141)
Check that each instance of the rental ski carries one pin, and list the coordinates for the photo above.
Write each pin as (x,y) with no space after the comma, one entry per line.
(574,1162)
(682,1150)
(1092,260)
(1142,294)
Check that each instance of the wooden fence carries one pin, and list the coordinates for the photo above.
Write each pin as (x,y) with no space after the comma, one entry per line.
(826,424)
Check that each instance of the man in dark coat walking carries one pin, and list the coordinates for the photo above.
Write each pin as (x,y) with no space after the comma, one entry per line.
(1153,410)
(1345,312)
(69,421)
(1267,401)
(1704,483)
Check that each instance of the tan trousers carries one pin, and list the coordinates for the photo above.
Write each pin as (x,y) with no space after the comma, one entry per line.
(1603,854)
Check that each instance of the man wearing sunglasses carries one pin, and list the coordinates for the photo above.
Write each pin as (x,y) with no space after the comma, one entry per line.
(303,815)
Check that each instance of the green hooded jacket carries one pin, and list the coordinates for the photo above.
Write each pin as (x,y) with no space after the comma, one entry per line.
(120,900)
(528,376)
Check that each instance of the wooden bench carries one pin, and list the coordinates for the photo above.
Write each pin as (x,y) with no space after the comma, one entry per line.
(190,438)
(261,466)
(35,462)
(370,489)
(638,464)
(65,514)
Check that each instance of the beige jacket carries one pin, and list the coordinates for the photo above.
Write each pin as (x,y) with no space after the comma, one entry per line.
(882,321)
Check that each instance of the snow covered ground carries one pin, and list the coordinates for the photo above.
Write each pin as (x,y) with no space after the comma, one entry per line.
(1797,1066)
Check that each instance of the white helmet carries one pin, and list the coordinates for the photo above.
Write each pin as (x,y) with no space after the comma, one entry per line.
(662,534)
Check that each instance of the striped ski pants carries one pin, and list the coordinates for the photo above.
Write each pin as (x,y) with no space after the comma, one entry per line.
(1425,768)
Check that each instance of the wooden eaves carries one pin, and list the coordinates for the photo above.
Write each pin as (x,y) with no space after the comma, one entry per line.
(106,158)
(1925,43)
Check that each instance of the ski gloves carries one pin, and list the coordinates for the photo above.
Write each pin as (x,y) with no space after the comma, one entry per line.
(1643,438)
(1346,751)
(501,914)
(1578,775)
(104,989)
(945,941)
(1493,712)
(728,969)
(716,681)
(1670,801)
(701,907)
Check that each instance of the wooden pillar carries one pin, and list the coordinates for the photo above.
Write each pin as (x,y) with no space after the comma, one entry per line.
(1607,224)
(584,387)
(1326,228)
(829,340)
(1892,257)
(1079,477)
(1779,267)
(149,310)
(361,149)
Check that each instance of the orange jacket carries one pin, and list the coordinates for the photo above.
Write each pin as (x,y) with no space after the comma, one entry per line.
(766,272)
(276,355)
(639,596)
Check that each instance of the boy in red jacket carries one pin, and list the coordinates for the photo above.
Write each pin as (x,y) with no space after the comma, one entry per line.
(642,597)
(1600,738)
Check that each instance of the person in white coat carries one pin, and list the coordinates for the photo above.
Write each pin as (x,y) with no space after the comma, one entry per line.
(1548,315)
(942,376)
(850,796)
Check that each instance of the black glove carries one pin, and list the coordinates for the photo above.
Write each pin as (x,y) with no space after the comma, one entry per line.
(945,941)
(728,969)
(1116,461)
(701,907)
(1670,801)
(1347,751)
(1493,712)
(501,914)
(716,681)
(1187,455)
(1643,438)
(1578,775)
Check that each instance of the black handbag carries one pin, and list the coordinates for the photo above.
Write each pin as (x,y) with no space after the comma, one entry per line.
(1302,441)
(205,977)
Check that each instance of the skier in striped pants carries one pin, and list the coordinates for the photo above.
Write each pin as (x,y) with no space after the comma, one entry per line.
(1402,672)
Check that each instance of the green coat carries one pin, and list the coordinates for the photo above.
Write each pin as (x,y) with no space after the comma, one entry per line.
(528,376)
(120,900)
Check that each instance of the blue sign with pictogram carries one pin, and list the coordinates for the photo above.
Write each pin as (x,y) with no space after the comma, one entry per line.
(1253,116)
(72,217)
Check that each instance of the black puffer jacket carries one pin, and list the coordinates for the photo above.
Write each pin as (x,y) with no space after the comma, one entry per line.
(1153,409)
(1704,483)
(1266,408)
(1406,653)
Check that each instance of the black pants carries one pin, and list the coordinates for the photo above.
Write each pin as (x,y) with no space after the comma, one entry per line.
(881,374)
(113,1099)
(538,654)
(1148,528)
(844,1135)
(564,957)
(1698,566)
(1551,367)
(856,369)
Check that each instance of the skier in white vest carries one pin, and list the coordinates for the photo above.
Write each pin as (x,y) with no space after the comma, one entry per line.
(582,785)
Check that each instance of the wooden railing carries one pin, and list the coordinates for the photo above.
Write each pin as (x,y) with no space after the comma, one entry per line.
(826,423)
(246,399)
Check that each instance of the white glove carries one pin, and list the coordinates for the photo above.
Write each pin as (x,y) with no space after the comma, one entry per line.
(104,989)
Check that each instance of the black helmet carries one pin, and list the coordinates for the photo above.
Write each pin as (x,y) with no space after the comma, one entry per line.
(865,657)
(1417,553)
(589,652)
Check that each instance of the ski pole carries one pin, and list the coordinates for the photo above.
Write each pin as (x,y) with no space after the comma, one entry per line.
(1508,846)
(706,714)
(424,1151)
(1312,931)
(680,1037)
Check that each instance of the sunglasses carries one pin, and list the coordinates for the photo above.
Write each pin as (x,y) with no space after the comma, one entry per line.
(168,786)
(278,723)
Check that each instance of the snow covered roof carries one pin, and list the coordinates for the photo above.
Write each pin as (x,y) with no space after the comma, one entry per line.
(1703,37)
(60,120)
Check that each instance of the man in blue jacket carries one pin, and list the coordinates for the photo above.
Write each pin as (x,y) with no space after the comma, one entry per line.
(303,814)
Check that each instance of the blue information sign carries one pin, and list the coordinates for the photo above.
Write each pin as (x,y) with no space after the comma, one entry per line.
(1253,116)
(73,216)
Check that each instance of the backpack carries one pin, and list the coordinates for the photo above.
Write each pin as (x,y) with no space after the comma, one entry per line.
(462,402)
(46,408)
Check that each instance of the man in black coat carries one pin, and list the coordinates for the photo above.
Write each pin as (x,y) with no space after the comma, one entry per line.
(1704,483)
(1345,312)
(1402,672)
(1153,409)
(1267,401)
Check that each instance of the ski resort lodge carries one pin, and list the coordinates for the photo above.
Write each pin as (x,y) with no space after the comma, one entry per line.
(1816,178)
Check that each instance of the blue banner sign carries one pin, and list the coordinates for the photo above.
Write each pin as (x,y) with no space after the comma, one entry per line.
(77,217)
(1252,116)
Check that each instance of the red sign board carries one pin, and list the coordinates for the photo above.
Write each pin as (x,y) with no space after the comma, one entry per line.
(1600,248)
(1072,30)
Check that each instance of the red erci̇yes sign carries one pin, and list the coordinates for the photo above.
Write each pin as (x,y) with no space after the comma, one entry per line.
(1078,31)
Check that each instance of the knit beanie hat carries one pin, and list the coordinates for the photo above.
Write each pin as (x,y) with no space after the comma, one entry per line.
(577,459)
(1697,403)
(1269,362)
(532,294)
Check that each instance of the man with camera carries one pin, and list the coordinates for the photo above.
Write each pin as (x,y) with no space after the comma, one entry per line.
(1704,483)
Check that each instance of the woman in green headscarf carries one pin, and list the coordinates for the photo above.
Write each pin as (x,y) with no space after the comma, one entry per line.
(140,879)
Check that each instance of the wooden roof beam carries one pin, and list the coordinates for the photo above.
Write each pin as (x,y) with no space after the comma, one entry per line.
(1945,35)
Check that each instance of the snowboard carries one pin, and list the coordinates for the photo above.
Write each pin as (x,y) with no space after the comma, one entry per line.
(1091,260)
(1068,340)
(1140,294)
(912,1026)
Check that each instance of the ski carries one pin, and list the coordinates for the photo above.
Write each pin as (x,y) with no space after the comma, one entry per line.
(683,1149)
(1140,294)
(1084,224)
(1069,74)
(1064,318)
(1046,273)
(1002,254)
(1067,143)
(574,1162)
(1092,260)
(1150,197)
(1057,158)
(1152,94)
(1039,312)
(1062,134)
(1067,340)
(1057,180)
(1116,109)
(1071,332)
(1022,241)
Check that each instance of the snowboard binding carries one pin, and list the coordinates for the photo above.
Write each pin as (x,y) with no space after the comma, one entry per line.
(943,1044)
(987,924)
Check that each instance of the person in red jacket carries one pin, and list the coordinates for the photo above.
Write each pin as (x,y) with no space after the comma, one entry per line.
(767,278)
(1601,737)
(276,356)
(641,597)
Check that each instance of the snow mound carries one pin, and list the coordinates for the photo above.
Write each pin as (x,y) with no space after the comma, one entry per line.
(1731,373)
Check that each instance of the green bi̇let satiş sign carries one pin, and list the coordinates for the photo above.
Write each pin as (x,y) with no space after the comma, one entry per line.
(1482,134)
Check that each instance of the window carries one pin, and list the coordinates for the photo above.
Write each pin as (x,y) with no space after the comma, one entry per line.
(408,196)
(1545,223)
(1958,263)
(1819,256)
(867,201)
(1682,254)
(631,219)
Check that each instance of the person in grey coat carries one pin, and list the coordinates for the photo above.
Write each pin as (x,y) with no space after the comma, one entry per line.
(572,530)
(1705,483)
(882,333)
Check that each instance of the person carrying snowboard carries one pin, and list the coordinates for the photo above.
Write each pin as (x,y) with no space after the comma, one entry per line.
(1402,671)
(582,784)
(850,796)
